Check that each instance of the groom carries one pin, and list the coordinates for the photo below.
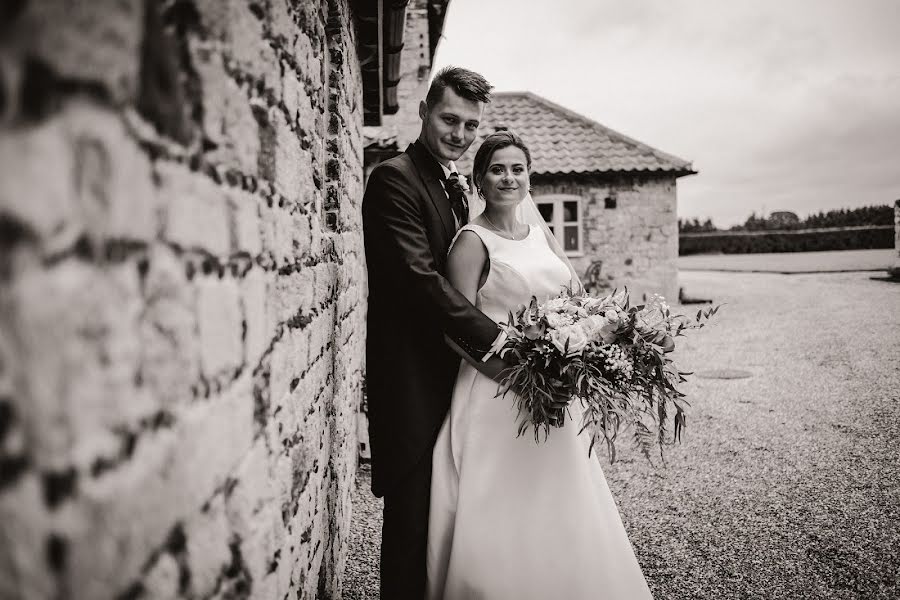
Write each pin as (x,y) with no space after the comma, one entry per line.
(412,208)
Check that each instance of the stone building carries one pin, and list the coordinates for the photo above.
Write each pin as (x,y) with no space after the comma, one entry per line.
(610,200)
(424,22)
(182,292)
(894,269)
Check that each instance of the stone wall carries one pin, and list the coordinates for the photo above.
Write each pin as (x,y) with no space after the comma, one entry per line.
(181,297)
(897,225)
(637,241)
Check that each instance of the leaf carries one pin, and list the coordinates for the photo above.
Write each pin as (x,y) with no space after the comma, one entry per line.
(680,422)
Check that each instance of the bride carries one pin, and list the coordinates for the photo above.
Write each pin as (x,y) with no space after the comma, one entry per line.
(511,518)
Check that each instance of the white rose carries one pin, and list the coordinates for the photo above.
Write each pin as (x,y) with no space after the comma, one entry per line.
(558,320)
(573,335)
(593,324)
(555,305)
(608,332)
(591,303)
(574,309)
(611,315)
(578,340)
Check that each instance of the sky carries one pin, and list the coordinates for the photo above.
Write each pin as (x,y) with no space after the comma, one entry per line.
(780,104)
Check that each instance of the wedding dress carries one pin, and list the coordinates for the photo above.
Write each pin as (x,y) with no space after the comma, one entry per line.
(512,519)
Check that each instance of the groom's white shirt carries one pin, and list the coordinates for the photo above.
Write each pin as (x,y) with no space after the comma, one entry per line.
(449,169)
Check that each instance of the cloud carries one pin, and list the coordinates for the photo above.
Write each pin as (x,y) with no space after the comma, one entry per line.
(781,105)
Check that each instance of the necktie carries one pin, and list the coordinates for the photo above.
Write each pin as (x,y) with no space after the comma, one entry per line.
(458,201)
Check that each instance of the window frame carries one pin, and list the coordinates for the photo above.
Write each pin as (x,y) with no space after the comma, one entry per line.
(558,201)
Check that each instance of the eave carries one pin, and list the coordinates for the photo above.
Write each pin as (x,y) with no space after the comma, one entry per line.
(380,27)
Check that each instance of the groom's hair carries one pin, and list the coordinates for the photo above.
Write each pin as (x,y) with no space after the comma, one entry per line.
(467,84)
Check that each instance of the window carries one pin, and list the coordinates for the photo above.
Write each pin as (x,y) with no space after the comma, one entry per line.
(563,215)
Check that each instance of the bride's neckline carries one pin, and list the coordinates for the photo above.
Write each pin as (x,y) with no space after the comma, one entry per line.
(508,239)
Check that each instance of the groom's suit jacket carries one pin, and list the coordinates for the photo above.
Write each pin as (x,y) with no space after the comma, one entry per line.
(410,371)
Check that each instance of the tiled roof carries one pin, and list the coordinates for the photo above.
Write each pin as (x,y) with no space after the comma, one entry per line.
(562,141)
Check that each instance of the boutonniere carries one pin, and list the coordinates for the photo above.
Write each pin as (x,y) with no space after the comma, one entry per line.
(463,184)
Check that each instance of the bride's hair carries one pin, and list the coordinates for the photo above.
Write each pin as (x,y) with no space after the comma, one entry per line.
(492,143)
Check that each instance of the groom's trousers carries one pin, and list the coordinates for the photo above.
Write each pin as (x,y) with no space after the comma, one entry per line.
(404,534)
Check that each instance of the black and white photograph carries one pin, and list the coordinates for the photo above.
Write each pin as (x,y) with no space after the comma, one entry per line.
(449,300)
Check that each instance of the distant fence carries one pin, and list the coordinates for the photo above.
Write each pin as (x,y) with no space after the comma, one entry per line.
(800,240)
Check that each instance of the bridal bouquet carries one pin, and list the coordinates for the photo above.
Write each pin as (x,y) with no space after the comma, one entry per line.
(602,352)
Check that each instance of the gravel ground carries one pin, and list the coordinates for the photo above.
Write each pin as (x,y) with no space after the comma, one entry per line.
(787,483)
(361,576)
(792,262)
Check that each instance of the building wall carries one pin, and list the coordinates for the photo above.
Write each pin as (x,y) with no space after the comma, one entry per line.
(637,241)
(181,297)
(415,70)
(894,270)
(897,225)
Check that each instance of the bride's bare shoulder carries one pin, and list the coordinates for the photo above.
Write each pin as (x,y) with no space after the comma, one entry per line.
(468,263)
(468,248)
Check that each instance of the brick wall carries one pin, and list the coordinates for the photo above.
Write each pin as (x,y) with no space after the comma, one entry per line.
(637,241)
(181,297)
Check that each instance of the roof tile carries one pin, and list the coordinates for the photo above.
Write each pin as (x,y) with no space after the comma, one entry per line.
(562,141)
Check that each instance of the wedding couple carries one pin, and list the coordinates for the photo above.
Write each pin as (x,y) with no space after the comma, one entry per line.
(471,511)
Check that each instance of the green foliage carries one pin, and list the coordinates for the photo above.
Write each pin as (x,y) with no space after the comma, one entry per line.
(695,226)
(736,243)
(622,377)
(779,221)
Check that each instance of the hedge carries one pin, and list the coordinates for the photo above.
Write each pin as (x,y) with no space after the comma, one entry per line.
(810,240)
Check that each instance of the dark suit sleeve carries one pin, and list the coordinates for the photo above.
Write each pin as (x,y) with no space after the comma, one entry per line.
(392,214)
